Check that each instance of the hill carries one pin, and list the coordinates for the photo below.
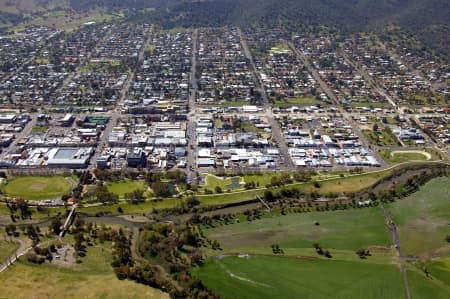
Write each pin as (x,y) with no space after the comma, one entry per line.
(427,19)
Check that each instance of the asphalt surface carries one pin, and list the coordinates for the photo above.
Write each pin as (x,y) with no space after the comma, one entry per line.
(396,241)
(23,249)
(191,134)
(277,134)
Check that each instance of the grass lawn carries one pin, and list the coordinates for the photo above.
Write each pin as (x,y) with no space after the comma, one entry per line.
(122,187)
(37,187)
(232,183)
(6,249)
(423,217)
(277,277)
(263,179)
(289,102)
(347,184)
(348,230)
(93,278)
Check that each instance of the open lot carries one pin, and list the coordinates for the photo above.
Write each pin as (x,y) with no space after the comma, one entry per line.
(93,278)
(37,187)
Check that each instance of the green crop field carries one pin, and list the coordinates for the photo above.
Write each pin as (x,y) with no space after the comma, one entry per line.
(423,217)
(277,277)
(93,278)
(37,187)
(122,187)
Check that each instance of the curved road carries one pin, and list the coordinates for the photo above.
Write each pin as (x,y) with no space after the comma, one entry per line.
(24,247)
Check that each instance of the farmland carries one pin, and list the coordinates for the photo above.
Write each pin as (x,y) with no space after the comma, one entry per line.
(422,220)
(277,277)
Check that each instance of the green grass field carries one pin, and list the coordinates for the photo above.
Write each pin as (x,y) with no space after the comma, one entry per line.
(423,217)
(122,187)
(301,273)
(6,249)
(277,277)
(232,183)
(347,230)
(37,187)
(93,278)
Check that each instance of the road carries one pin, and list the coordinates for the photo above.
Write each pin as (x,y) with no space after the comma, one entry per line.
(25,133)
(277,134)
(396,241)
(115,114)
(24,247)
(191,134)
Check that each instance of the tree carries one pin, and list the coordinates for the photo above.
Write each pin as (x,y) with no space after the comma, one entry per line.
(192,201)
(56,226)
(218,189)
(162,189)
(268,196)
(375,127)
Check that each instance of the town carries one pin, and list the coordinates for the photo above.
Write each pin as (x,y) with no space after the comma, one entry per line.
(114,96)
(224,149)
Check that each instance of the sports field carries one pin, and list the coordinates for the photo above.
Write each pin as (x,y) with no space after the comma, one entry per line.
(37,187)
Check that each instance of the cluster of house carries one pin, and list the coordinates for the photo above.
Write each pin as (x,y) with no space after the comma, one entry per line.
(437,126)
(223,70)
(162,81)
(283,75)
(18,48)
(406,86)
(143,142)
(349,87)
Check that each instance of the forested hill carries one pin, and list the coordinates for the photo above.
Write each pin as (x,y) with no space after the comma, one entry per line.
(428,19)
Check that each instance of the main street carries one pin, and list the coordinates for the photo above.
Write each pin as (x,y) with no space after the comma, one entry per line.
(277,134)
(116,113)
(191,134)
